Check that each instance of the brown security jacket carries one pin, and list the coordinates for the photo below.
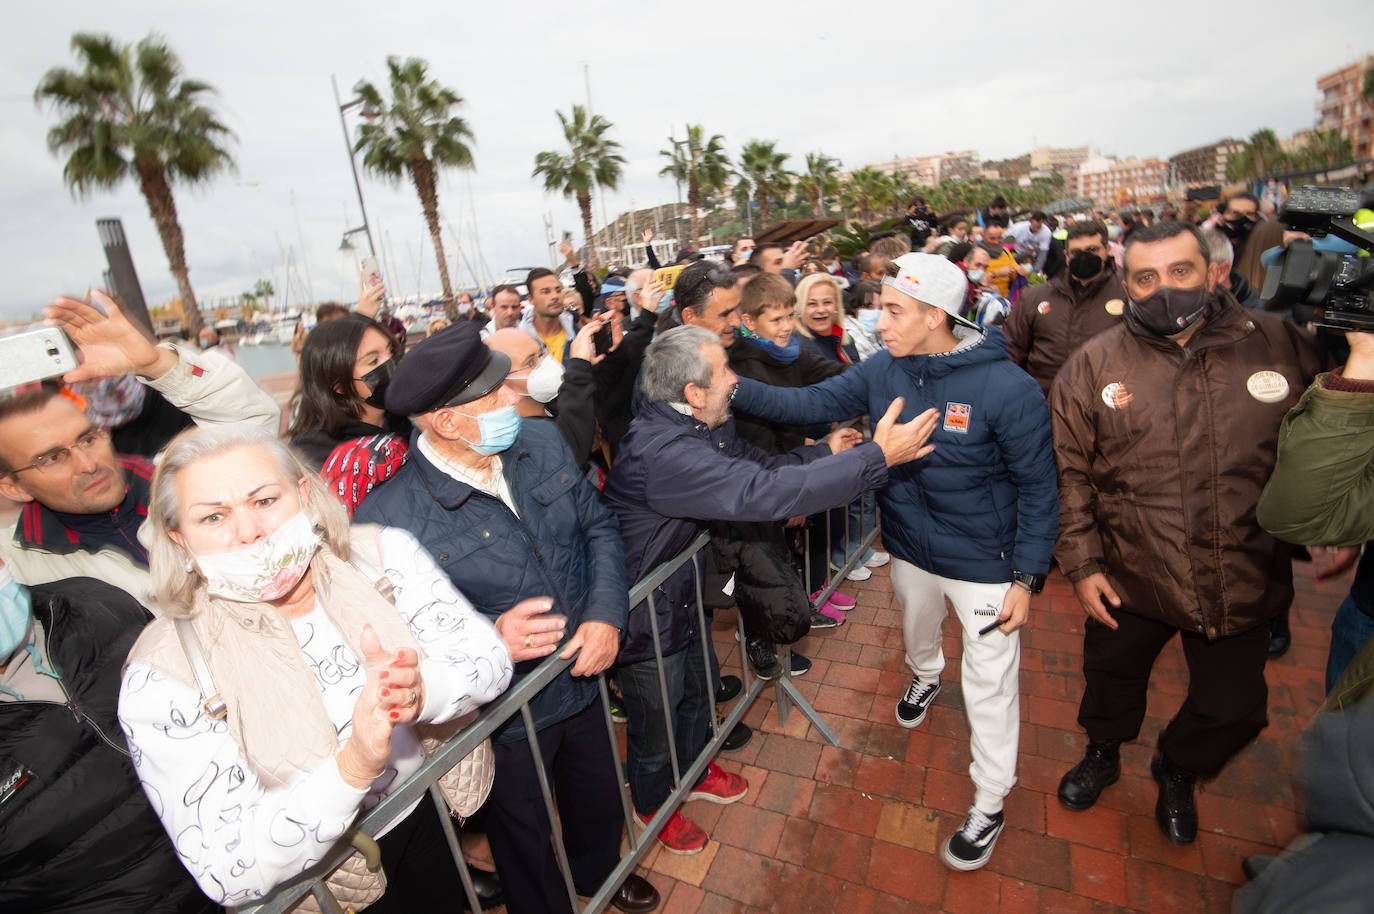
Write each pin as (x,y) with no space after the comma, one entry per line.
(1050,321)
(1163,452)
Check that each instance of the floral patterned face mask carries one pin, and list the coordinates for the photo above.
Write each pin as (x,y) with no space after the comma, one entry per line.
(267,570)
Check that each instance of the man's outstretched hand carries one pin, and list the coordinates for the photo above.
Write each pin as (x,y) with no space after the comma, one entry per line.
(905,441)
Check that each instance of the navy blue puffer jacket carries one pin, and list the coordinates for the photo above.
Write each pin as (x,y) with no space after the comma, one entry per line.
(985,503)
(564,545)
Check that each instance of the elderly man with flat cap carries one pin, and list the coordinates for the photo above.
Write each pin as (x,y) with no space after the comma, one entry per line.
(510,517)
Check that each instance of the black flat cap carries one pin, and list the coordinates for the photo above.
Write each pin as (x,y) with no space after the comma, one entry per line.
(446,369)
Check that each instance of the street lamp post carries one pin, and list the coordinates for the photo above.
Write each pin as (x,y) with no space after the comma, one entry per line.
(352,165)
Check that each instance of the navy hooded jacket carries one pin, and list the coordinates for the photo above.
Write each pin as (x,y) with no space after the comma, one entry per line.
(564,545)
(674,474)
(985,502)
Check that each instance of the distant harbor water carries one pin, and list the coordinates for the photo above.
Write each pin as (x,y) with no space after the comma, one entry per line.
(267,359)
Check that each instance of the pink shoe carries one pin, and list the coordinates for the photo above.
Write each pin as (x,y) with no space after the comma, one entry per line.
(829,612)
(839,601)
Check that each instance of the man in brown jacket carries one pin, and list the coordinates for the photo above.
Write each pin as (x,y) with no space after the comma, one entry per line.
(1050,321)
(1165,431)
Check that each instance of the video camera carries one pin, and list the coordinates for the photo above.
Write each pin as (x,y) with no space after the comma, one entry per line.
(1329,289)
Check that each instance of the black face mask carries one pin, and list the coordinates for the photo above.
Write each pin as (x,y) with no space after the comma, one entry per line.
(1084,266)
(1169,311)
(376,380)
(1237,229)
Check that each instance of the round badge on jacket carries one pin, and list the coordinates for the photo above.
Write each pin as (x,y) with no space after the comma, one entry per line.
(1267,386)
(1115,307)
(1043,307)
(1116,396)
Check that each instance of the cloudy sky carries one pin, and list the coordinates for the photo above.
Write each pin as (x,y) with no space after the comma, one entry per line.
(1133,79)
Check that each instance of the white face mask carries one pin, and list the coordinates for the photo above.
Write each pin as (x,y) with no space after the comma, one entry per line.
(267,570)
(544,379)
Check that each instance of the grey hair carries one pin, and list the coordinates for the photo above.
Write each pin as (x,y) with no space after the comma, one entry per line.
(174,583)
(675,360)
(1219,246)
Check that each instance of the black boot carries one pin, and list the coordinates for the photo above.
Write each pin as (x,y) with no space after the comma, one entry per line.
(488,888)
(1175,810)
(1280,636)
(1100,768)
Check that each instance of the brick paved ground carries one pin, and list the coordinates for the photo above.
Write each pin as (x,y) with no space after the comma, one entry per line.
(854,828)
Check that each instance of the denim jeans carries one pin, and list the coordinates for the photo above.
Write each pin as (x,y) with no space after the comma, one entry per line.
(647,763)
(1350,629)
(862,517)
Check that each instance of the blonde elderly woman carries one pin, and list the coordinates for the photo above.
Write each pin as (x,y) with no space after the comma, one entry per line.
(820,319)
(327,683)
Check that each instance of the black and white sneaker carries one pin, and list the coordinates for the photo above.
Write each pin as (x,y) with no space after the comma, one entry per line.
(911,710)
(971,846)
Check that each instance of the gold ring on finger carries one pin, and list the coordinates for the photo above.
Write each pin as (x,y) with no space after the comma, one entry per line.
(529,640)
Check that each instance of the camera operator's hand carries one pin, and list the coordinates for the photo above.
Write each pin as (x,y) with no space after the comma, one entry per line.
(110,343)
(1360,365)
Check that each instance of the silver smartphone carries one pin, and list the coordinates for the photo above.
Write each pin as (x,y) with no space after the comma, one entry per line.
(372,274)
(33,354)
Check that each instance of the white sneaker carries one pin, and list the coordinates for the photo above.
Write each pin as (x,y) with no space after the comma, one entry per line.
(859,573)
(877,560)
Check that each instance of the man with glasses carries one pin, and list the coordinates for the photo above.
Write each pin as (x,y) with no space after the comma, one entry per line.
(82,502)
(1051,320)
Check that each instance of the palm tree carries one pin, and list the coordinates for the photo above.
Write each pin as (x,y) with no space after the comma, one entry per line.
(868,189)
(415,134)
(766,170)
(743,195)
(129,112)
(1325,148)
(592,161)
(701,164)
(1262,156)
(820,182)
(263,289)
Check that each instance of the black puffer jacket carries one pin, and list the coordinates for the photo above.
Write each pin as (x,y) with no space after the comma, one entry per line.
(76,831)
(749,361)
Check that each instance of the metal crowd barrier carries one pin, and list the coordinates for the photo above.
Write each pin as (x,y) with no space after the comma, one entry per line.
(516,701)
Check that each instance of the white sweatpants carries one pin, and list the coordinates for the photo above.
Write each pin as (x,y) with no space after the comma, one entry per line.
(992,693)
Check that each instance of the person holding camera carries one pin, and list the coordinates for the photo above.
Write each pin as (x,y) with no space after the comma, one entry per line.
(83,501)
(1322,491)
(1165,429)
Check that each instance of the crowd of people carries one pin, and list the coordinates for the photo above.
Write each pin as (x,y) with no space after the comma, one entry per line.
(221,644)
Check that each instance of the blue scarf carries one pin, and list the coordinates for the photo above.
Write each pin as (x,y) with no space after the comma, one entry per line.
(786,355)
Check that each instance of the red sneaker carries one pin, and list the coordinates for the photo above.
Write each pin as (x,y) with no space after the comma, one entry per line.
(720,786)
(680,836)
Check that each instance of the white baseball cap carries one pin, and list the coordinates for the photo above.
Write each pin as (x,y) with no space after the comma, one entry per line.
(932,280)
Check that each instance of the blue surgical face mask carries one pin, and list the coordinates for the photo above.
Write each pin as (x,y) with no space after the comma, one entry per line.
(498,427)
(868,319)
(16,612)
(976,275)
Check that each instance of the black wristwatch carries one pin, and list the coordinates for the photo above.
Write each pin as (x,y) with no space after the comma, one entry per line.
(1032,582)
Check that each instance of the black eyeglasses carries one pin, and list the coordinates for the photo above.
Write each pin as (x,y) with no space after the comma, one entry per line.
(60,457)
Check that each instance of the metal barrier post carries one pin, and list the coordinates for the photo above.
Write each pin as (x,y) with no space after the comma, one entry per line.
(454,847)
(549,806)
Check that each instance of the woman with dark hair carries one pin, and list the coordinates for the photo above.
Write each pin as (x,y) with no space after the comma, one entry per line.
(345,366)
